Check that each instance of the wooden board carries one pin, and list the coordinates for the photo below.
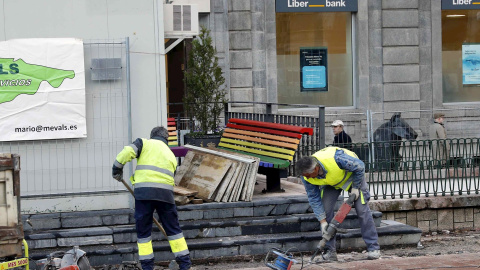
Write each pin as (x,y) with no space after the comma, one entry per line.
(184,168)
(181,191)
(237,188)
(230,187)
(208,176)
(250,184)
(225,182)
(253,180)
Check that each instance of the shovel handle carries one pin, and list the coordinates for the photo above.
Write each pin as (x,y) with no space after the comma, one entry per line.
(154,219)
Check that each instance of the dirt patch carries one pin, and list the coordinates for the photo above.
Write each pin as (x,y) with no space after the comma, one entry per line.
(432,244)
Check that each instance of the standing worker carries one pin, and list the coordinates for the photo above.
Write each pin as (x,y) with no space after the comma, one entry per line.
(325,174)
(438,135)
(341,139)
(153,182)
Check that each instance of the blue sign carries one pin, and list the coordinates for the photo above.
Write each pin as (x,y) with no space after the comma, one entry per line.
(314,77)
(460,4)
(471,63)
(313,69)
(316,5)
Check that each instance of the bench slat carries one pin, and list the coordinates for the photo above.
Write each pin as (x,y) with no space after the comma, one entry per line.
(266,130)
(258,140)
(172,133)
(171,128)
(263,135)
(302,130)
(275,162)
(261,146)
(172,138)
(260,152)
(173,143)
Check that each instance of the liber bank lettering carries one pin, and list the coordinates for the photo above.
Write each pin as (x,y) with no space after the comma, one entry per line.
(316,5)
(460,4)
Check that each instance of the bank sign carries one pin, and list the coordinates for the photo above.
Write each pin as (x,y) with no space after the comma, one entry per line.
(42,89)
(460,4)
(316,5)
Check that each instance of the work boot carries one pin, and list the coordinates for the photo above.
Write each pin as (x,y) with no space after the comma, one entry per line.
(373,254)
(330,255)
(184,262)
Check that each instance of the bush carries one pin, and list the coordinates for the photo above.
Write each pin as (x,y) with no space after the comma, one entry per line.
(205,95)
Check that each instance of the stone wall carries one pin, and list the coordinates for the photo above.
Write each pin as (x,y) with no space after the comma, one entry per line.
(433,214)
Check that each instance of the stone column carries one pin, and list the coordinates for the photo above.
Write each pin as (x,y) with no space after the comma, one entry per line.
(401,57)
(240,50)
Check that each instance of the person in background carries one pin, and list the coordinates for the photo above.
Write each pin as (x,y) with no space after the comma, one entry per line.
(341,138)
(440,144)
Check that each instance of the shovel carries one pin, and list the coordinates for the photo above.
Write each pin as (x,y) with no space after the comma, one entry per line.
(173,264)
(154,219)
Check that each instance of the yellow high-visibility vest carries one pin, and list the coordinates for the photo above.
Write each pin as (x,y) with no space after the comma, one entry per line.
(335,177)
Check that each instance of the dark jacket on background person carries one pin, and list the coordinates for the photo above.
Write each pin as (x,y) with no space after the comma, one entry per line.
(343,140)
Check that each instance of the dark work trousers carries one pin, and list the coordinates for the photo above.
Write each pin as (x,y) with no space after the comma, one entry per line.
(168,217)
(367,225)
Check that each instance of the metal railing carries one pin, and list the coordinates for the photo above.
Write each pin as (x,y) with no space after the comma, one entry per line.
(421,167)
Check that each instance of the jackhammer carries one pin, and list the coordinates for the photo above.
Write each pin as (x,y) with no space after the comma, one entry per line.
(334,225)
(285,259)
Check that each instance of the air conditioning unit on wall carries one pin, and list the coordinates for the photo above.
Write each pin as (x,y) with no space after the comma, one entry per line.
(180,20)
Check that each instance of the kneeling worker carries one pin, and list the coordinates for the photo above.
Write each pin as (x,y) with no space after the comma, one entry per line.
(325,174)
(153,182)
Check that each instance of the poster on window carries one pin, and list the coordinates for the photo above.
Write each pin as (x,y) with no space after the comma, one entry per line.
(313,69)
(471,63)
(42,89)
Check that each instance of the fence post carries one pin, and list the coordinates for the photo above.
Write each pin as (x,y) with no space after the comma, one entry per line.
(226,112)
(269,116)
(321,126)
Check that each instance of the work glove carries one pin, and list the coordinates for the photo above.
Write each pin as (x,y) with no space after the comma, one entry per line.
(324,226)
(117,173)
(355,191)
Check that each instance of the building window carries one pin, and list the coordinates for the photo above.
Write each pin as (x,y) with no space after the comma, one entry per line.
(460,55)
(324,32)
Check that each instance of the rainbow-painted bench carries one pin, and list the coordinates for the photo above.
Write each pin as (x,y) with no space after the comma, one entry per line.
(274,144)
(172,132)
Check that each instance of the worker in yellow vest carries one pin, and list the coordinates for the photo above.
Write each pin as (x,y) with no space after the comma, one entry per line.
(325,174)
(153,182)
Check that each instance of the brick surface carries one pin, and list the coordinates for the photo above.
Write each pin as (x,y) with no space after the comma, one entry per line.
(459,215)
(401,55)
(427,215)
(396,4)
(463,225)
(445,219)
(43,243)
(243,212)
(76,222)
(400,18)
(84,241)
(412,218)
(400,37)
(433,225)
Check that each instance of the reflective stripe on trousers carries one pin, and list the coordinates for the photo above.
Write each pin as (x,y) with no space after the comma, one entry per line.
(145,249)
(178,245)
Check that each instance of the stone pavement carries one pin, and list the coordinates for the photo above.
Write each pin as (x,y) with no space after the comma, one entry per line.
(452,261)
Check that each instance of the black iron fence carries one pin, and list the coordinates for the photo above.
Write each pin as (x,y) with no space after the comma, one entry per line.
(421,167)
